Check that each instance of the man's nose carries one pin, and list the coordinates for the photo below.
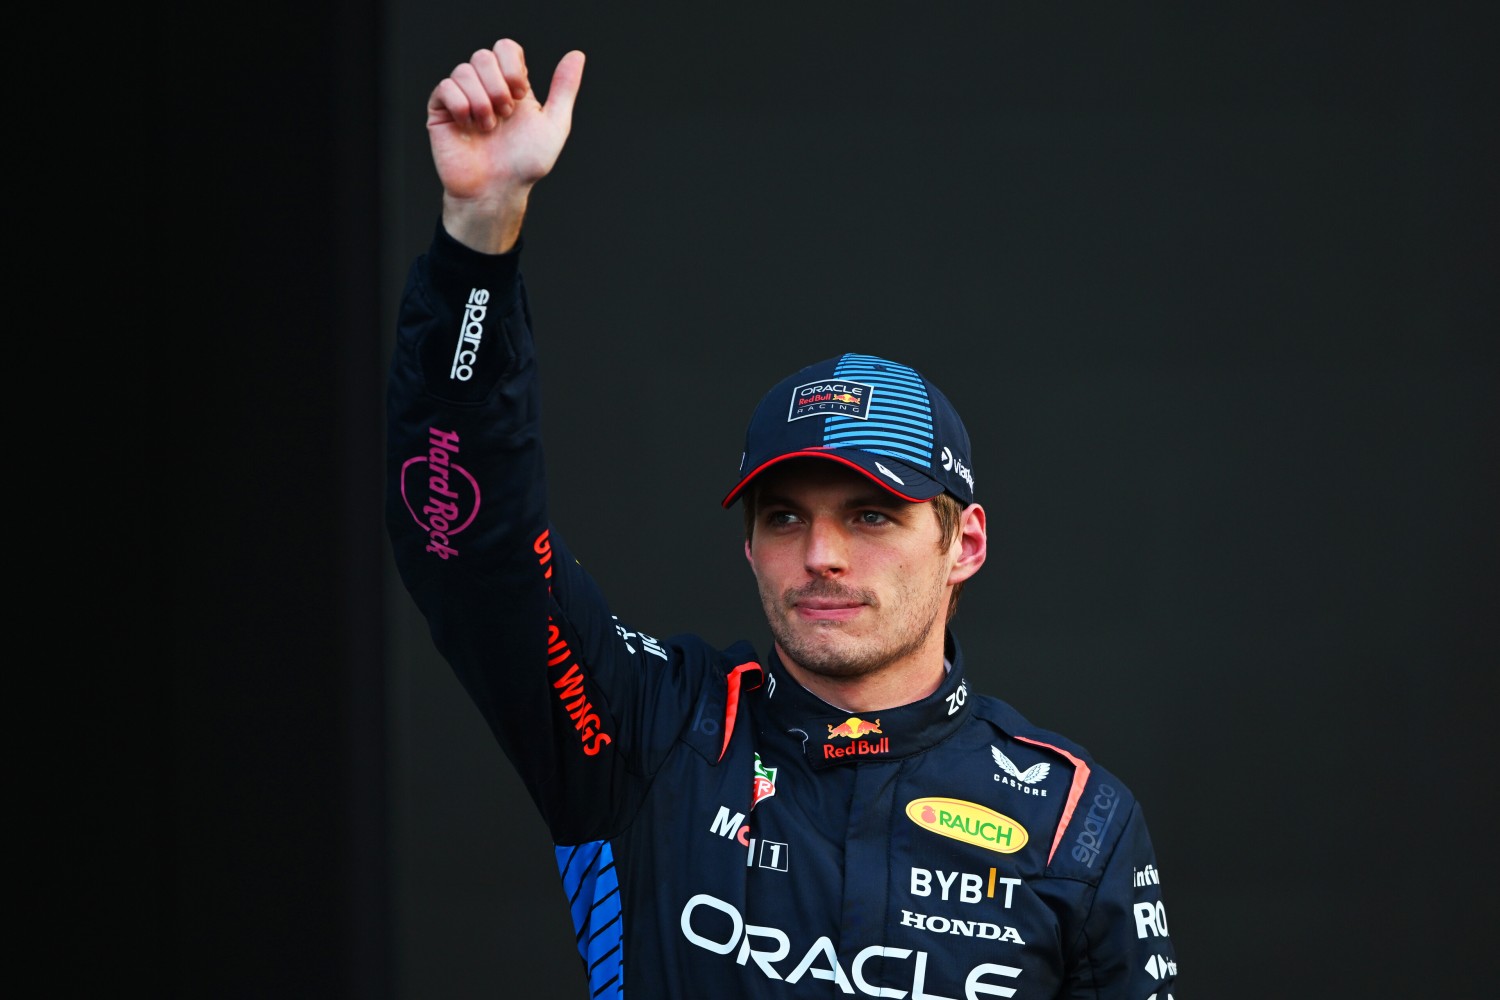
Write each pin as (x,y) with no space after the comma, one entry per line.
(827,548)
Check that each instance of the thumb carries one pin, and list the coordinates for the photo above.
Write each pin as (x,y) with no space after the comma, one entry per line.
(563,90)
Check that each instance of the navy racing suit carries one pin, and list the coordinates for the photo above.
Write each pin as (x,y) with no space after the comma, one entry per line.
(721,831)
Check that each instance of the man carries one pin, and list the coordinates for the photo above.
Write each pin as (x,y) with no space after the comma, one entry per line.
(843,816)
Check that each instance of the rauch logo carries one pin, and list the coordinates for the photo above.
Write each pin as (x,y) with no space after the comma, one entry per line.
(969,822)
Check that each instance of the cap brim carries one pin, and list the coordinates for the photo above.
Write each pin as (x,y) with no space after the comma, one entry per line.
(891,475)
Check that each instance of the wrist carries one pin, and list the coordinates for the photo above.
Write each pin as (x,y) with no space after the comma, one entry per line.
(488,223)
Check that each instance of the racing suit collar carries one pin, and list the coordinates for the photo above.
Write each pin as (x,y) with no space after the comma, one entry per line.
(835,737)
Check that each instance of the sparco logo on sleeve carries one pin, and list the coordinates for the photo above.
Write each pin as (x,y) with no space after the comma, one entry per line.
(470,333)
(440,494)
(1096,825)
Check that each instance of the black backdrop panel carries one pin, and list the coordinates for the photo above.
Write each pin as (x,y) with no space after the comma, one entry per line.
(1215,290)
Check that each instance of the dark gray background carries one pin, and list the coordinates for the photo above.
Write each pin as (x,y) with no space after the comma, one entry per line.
(1214,289)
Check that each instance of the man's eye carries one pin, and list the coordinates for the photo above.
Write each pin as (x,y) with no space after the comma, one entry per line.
(780,517)
(872,517)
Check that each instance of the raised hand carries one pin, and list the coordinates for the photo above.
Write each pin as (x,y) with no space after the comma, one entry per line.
(492,139)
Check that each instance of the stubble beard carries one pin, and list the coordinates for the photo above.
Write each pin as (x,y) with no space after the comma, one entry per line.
(827,650)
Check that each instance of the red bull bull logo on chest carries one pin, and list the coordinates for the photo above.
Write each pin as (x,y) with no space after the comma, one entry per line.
(856,729)
(853,728)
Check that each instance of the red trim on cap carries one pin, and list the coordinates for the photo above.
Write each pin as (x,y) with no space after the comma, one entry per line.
(819,453)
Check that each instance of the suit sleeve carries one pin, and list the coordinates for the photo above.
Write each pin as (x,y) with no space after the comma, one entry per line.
(583,707)
(1126,952)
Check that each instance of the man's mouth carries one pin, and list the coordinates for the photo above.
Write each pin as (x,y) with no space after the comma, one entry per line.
(840,613)
(833,607)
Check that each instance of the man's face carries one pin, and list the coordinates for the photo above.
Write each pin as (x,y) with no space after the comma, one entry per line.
(852,579)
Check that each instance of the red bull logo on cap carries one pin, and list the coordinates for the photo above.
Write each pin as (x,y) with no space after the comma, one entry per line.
(831,397)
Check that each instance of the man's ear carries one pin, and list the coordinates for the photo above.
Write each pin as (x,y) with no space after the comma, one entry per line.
(972,542)
(748,557)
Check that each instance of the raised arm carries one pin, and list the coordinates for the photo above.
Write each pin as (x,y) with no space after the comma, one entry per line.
(529,635)
(493,139)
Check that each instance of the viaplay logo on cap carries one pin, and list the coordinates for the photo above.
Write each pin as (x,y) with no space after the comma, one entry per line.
(831,397)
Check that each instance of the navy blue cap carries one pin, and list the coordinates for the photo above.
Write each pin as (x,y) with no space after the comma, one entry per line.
(878,417)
